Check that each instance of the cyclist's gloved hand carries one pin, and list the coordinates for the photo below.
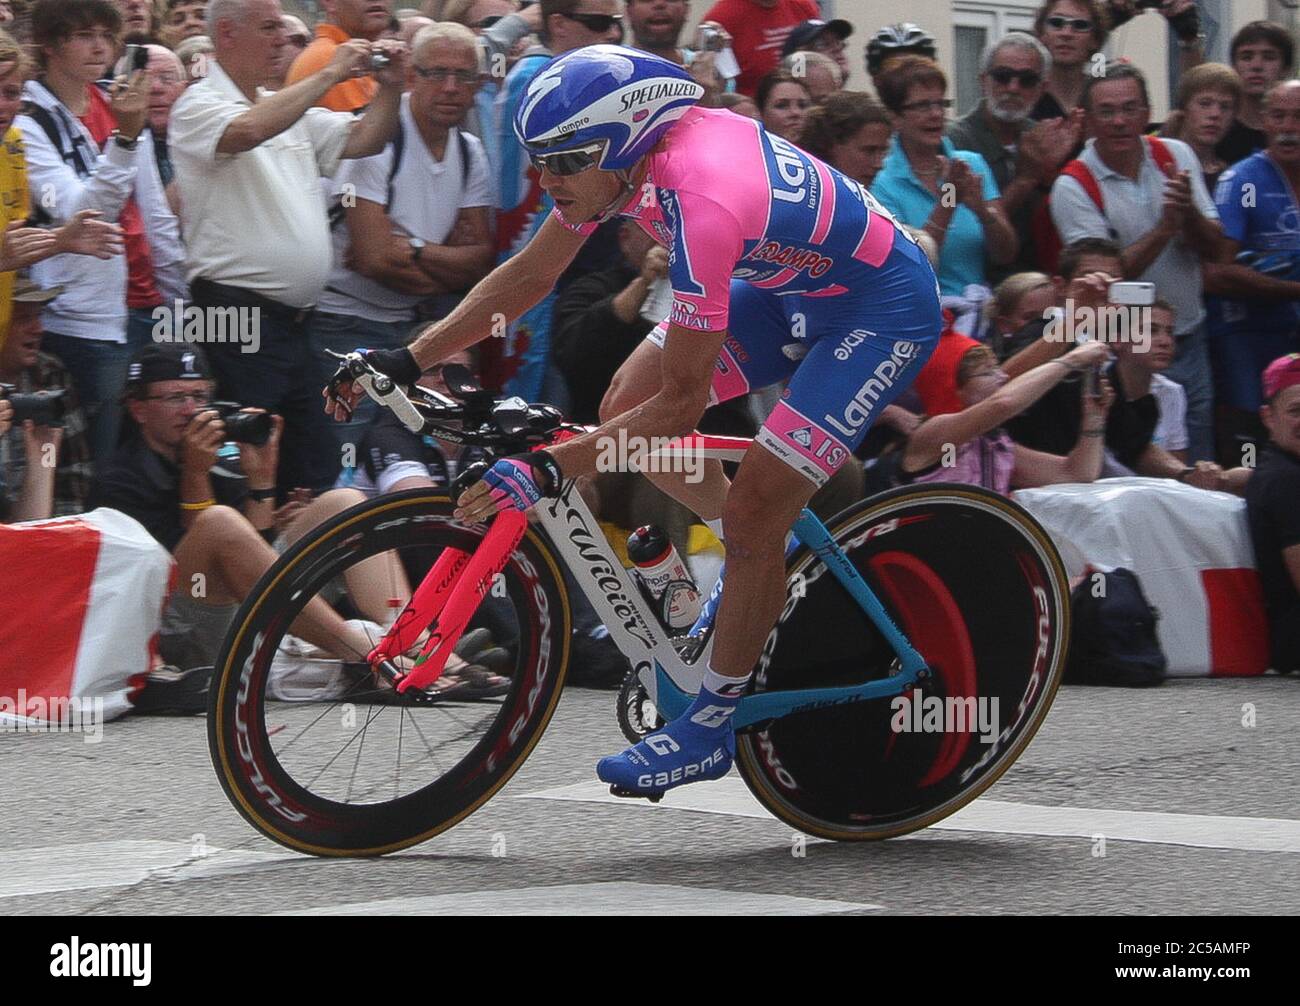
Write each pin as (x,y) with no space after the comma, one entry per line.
(399,364)
(514,483)
(342,395)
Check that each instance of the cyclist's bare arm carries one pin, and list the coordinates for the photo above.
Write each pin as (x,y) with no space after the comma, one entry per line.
(503,294)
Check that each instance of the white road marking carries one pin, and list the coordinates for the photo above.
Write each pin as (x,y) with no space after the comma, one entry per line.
(596,899)
(1246,834)
(53,868)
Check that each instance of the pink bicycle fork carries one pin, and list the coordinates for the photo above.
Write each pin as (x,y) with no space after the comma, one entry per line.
(446,600)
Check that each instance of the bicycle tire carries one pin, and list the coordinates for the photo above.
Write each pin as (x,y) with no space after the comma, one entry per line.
(853,772)
(251,766)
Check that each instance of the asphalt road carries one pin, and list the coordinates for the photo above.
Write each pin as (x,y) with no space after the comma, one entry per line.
(1139,802)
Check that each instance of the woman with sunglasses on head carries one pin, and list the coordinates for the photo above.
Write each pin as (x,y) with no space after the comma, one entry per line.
(928,183)
(765,241)
(1072,30)
(783,103)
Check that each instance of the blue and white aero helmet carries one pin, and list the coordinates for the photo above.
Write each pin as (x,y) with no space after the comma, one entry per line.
(625,98)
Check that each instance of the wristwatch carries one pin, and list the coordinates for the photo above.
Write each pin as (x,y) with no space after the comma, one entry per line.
(417,246)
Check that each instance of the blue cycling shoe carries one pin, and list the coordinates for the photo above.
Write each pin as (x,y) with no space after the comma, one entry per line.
(683,751)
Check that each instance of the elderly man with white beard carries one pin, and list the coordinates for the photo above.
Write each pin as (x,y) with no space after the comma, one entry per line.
(1025,157)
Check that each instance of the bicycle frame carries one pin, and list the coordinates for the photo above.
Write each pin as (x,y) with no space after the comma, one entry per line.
(446,599)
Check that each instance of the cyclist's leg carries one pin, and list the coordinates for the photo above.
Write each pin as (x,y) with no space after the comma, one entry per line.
(792,456)
(224,552)
(744,364)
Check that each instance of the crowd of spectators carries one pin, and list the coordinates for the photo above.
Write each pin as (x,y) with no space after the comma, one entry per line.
(202,196)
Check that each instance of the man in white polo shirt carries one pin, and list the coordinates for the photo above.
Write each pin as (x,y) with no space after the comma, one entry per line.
(411,223)
(248,166)
(1156,207)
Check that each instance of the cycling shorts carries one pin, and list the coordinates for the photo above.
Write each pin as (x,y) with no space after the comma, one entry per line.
(845,357)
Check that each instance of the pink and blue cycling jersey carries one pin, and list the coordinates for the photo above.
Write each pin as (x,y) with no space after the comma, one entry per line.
(813,281)
(730,200)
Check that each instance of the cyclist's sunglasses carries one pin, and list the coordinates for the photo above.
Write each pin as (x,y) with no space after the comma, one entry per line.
(1077,23)
(569,162)
(1004,75)
(598,22)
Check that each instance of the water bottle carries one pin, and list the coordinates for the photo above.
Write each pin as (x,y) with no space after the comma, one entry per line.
(664,577)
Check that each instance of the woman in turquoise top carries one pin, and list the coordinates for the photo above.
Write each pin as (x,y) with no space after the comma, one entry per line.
(927,183)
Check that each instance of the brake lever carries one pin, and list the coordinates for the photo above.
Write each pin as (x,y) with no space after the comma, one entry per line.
(381,388)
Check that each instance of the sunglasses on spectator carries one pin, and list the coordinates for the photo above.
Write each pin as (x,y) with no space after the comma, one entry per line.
(933,105)
(1004,75)
(597,22)
(1077,23)
(569,162)
(438,74)
(181,397)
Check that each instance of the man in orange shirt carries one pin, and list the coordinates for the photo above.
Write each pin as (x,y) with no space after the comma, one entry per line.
(345,19)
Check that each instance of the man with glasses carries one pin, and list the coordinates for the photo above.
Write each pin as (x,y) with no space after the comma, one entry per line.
(1151,199)
(1024,158)
(214,515)
(521,363)
(414,228)
(344,20)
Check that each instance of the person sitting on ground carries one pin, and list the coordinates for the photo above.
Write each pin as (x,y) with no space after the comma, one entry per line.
(1273,509)
(216,524)
(62,445)
(970,446)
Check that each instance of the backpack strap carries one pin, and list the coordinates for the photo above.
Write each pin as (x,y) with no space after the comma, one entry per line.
(398,142)
(1161,154)
(464,160)
(1083,175)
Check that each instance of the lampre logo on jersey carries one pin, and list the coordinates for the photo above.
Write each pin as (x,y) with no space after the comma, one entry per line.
(799,259)
(858,412)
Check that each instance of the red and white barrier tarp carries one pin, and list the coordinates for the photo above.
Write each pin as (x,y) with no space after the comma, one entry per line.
(81,599)
(1191,551)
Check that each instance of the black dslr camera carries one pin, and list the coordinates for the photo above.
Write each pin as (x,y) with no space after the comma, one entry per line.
(44,408)
(243,427)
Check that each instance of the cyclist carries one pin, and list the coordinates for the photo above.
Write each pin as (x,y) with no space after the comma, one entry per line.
(780,266)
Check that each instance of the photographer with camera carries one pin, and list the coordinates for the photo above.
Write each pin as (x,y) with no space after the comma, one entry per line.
(171,476)
(249,166)
(49,427)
